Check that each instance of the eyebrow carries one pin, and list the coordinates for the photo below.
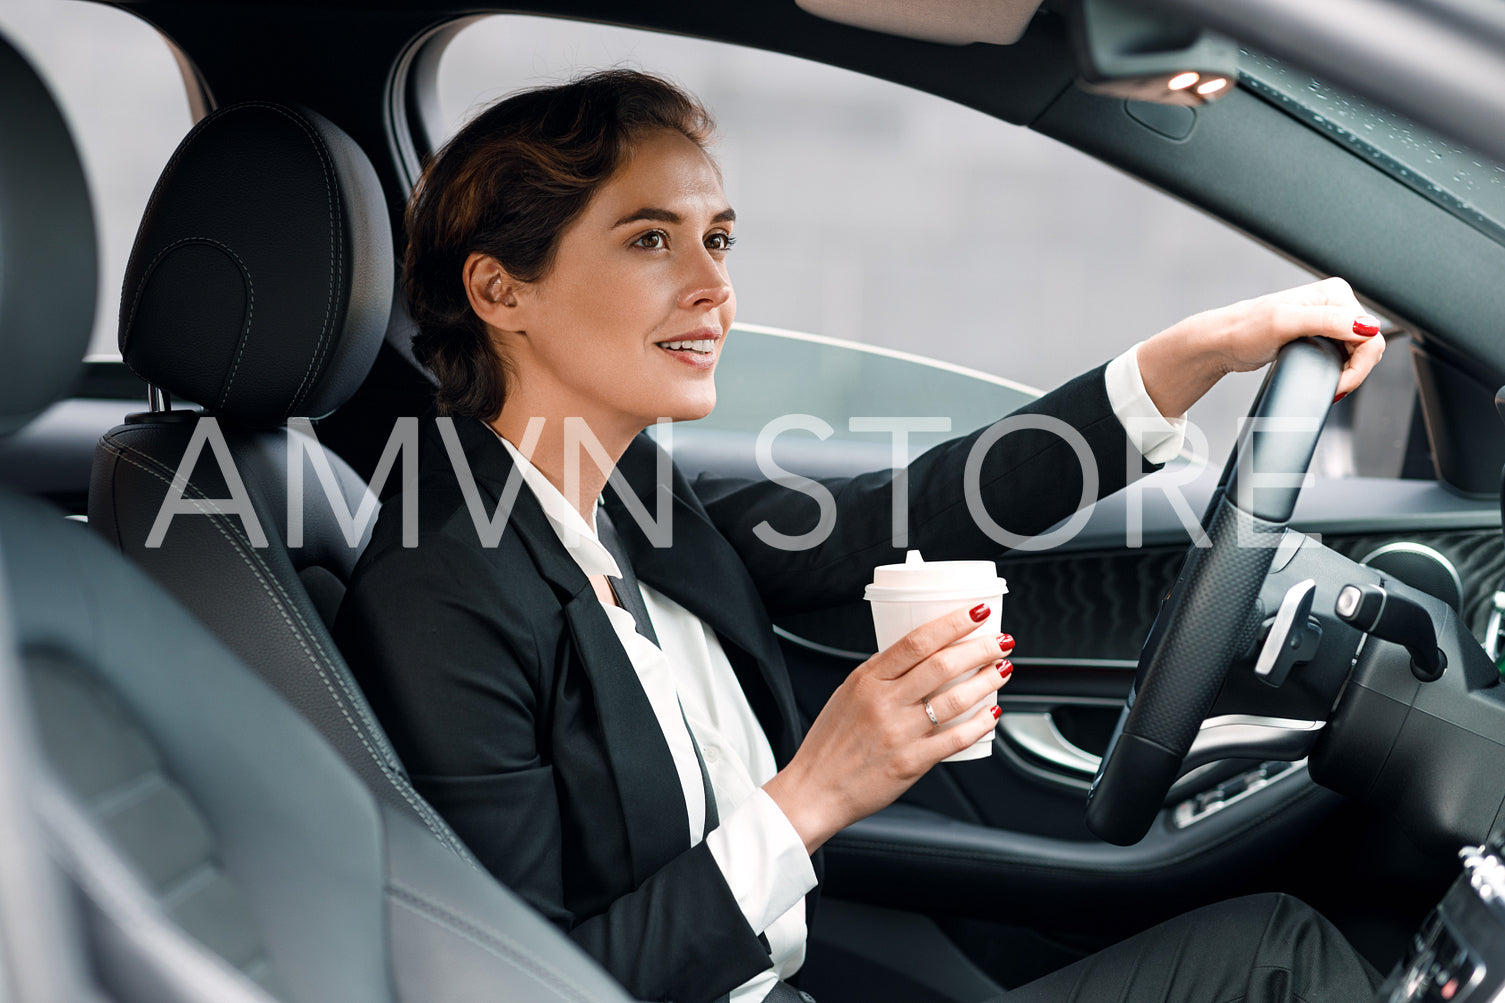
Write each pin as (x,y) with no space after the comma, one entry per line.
(726,215)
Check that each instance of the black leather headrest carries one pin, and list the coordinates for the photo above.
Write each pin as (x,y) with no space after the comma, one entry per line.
(261,279)
(48,265)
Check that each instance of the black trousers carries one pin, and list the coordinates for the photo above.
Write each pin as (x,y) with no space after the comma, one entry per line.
(1259,949)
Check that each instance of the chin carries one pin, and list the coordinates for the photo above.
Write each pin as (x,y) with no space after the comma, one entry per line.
(690,409)
(686,414)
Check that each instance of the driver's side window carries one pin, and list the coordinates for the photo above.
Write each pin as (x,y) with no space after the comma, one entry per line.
(874,213)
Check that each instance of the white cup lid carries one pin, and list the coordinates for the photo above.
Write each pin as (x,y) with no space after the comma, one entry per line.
(917,580)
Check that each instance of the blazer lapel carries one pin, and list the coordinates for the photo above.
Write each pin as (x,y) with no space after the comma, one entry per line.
(658,824)
(703,573)
(657,821)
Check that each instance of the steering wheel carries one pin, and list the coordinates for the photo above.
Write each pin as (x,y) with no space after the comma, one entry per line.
(1209,618)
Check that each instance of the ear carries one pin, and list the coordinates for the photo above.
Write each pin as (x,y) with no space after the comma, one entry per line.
(494,295)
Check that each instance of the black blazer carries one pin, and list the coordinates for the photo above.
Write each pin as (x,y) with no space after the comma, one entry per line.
(520,717)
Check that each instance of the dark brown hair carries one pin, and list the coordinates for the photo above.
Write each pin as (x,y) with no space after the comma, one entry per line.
(507,185)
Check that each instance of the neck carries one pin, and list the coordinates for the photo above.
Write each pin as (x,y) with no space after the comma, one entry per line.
(576,454)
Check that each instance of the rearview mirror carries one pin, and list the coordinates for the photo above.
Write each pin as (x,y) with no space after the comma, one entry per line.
(1124,51)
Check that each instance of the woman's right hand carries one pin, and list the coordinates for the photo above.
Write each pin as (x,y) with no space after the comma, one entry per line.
(873,739)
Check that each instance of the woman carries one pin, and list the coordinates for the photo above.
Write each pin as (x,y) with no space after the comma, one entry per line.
(625,752)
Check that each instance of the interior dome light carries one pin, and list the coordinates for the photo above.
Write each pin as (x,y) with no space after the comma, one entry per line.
(1181,81)
(1212,86)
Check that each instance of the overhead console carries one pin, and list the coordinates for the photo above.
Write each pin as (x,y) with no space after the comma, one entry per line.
(1121,50)
(953,22)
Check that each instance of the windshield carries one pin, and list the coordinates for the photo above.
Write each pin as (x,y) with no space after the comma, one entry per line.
(1464,182)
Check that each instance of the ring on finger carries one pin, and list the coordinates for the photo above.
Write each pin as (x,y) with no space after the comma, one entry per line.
(930,713)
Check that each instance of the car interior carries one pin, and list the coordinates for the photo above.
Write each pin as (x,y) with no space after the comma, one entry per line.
(1239,678)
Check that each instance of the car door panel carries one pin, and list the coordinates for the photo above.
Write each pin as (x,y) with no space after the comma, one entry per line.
(1007,832)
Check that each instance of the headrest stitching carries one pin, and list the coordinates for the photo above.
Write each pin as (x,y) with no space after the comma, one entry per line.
(326,338)
(246,334)
(250,309)
(336,246)
(172,162)
(151,204)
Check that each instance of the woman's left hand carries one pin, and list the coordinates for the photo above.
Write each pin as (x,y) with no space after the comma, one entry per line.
(1184,361)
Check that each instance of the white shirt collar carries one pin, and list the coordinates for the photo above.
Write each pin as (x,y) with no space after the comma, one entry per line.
(576,535)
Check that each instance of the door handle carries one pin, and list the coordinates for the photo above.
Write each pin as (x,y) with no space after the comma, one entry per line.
(1037,734)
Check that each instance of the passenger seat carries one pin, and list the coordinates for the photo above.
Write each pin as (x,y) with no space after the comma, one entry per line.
(259,287)
(218,849)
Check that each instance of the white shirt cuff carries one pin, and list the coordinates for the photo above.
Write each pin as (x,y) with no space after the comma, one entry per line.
(1154,435)
(763,860)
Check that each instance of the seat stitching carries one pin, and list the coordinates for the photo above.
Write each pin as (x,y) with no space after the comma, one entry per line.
(336,248)
(301,626)
(400,785)
(489,940)
(172,162)
(299,632)
(245,337)
(245,271)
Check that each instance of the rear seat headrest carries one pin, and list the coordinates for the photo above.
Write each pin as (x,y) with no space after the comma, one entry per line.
(48,261)
(260,283)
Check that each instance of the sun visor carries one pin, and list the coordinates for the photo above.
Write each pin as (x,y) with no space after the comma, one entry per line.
(954,22)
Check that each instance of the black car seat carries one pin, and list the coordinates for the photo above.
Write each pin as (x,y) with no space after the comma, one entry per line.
(46,248)
(259,287)
(217,847)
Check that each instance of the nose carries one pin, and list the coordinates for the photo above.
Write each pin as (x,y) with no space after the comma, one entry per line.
(706,282)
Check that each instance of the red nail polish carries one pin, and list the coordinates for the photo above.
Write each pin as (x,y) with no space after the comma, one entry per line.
(1340,396)
(1366,326)
(980,612)
(1005,668)
(1005,643)
(997,711)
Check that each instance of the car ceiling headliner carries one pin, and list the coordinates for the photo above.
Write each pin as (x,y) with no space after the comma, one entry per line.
(1014,82)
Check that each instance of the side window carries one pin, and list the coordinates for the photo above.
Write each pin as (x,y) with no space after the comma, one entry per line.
(880,215)
(123,95)
(767,374)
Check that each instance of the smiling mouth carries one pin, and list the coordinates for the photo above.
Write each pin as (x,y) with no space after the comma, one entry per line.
(698,346)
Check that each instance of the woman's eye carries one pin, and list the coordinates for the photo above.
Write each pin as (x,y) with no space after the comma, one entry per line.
(653,240)
(720,241)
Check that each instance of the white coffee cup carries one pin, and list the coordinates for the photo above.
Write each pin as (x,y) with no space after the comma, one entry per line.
(904,596)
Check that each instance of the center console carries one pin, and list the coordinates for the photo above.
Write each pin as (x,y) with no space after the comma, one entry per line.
(1458,955)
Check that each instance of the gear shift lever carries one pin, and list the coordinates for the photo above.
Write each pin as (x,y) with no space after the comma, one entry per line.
(1392,617)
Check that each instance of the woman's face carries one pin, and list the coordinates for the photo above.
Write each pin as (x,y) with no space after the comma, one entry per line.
(628,323)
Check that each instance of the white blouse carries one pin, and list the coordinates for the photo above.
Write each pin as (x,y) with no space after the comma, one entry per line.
(760,855)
